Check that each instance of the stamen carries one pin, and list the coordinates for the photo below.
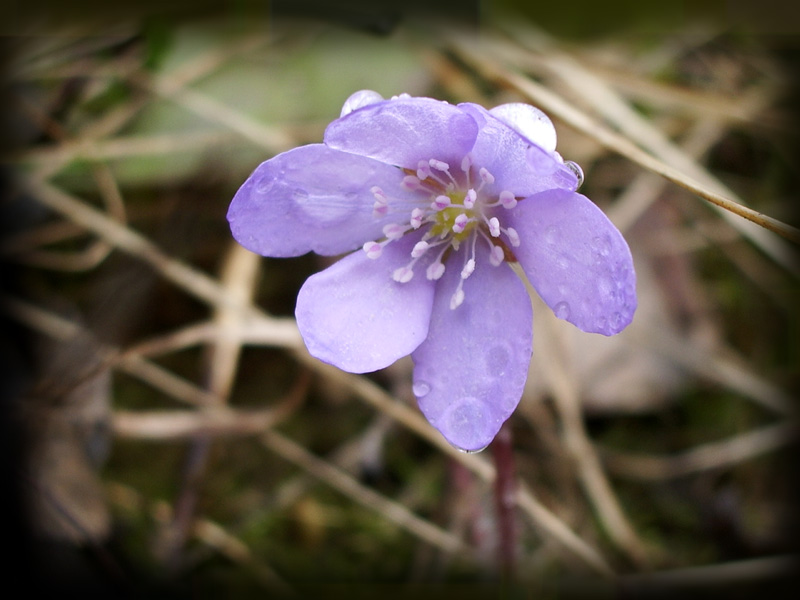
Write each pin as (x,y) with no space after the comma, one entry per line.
(419,249)
(507,199)
(466,163)
(469,268)
(496,255)
(423,170)
(460,223)
(394,231)
(416,218)
(458,297)
(486,176)
(470,198)
(442,166)
(441,202)
(411,183)
(379,210)
(435,270)
(494,227)
(513,236)
(403,274)
(373,250)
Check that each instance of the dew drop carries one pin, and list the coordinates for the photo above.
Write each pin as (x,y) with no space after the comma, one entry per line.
(470,451)
(576,170)
(497,360)
(421,389)
(562,310)
(601,246)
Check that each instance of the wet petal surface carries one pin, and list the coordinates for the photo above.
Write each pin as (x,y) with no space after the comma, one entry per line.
(470,371)
(308,199)
(404,131)
(577,260)
(354,316)
(517,163)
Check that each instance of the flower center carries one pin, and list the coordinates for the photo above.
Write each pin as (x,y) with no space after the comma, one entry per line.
(453,207)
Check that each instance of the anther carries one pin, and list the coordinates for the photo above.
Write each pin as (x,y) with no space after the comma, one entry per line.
(460,223)
(439,165)
(416,218)
(496,255)
(394,231)
(486,176)
(373,249)
(411,183)
(419,249)
(513,236)
(468,269)
(457,298)
(494,227)
(435,270)
(470,199)
(403,274)
(423,170)
(507,199)
(441,202)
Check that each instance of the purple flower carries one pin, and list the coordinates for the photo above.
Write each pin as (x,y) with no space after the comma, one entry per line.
(440,198)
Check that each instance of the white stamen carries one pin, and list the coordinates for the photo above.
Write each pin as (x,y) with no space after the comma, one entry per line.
(469,268)
(373,249)
(416,218)
(494,227)
(419,249)
(507,199)
(513,236)
(411,183)
(486,176)
(470,198)
(466,163)
(439,165)
(403,274)
(435,270)
(423,170)
(394,231)
(441,202)
(496,255)
(460,223)
(457,298)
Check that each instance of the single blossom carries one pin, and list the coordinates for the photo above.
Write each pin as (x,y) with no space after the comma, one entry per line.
(440,198)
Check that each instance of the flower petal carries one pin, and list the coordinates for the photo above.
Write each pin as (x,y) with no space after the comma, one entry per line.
(470,371)
(517,163)
(312,198)
(354,316)
(576,259)
(405,131)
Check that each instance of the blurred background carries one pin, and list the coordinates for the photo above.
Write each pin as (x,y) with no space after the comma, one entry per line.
(164,431)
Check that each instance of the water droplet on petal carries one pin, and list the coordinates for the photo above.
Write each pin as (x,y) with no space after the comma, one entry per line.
(576,169)
(470,451)
(601,246)
(421,389)
(562,310)
(497,359)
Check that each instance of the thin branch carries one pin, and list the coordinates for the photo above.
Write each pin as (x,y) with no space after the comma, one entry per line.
(554,104)
(712,455)
(335,477)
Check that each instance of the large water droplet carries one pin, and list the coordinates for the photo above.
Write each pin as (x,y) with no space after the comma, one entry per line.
(497,359)
(470,451)
(421,389)
(562,310)
(577,171)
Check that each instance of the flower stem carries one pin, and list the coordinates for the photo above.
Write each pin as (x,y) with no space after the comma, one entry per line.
(505,503)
